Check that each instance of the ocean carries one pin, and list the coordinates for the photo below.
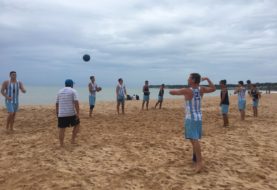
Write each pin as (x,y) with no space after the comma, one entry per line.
(45,95)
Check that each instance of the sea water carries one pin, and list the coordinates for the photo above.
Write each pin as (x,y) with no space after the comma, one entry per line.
(45,95)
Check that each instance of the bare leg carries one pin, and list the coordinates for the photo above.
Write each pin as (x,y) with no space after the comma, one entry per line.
(197,150)
(74,133)
(61,136)
(9,118)
(143,102)
(255,111)
(91,107)
(193,152)
(161,104)
(225,120)
(147,103)
(242,115)
(123,104)
(156,104)
(12,121)
(117,107)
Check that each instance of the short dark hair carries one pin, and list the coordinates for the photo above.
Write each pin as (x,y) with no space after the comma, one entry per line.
(69,83)
(195,77)
(91,77)
(12,72)
(224,82)
(120,79)
(248,81)
(146,81)
(241,82)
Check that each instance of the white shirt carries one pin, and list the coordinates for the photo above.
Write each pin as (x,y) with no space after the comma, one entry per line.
(94,89)
(66,98)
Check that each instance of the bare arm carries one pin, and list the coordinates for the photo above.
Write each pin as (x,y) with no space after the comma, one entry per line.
(182,91)
(4,89)
(76,103)
(22,87)
(210,88)
(57,109)
(125,90)
(237,89)
(259,95)
(90,87)
(116,90)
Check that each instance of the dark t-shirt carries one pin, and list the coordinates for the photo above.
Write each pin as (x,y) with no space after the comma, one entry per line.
(226,99)
(161,93)
(146,91)
(255,94)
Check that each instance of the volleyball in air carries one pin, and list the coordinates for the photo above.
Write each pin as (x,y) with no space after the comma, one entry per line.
(86,57)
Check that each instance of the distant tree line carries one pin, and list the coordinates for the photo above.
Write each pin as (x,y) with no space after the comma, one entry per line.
(261,86)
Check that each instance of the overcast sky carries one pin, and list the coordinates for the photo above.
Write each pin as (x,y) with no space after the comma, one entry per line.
(161,41)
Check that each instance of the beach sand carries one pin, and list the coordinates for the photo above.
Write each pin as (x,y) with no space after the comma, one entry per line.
(140,150)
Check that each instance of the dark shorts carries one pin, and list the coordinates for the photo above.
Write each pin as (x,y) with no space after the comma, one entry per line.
(70,121)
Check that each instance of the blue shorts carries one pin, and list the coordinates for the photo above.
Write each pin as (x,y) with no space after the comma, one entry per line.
(146,97)
(11,107)
(224,108)
(242,104)
(120,99)
(193,129)
(92,100)
(255,103)
(160,98)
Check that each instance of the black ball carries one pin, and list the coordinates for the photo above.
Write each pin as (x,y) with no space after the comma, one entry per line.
(86,57)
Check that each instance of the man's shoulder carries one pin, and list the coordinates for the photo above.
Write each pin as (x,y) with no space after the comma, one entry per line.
(6,81)
(67,90)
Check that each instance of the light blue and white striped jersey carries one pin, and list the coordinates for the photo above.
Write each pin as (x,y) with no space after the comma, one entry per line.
(193,106)
(241,94)
(13,91)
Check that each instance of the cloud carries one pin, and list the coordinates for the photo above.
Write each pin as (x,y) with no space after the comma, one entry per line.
(138,40)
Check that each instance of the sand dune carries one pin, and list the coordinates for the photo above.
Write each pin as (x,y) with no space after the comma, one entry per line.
(140,150)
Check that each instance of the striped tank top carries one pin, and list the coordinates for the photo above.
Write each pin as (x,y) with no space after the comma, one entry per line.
(241,94)
(13,91)
(193,106)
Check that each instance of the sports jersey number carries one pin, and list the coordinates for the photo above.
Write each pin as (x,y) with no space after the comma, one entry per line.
(197,95)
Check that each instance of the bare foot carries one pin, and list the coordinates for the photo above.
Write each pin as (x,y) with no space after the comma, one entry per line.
(199,167)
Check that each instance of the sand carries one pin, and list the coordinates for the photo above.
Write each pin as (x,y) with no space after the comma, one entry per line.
(140,150)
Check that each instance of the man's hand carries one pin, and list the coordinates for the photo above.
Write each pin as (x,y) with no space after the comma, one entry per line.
(204,78)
